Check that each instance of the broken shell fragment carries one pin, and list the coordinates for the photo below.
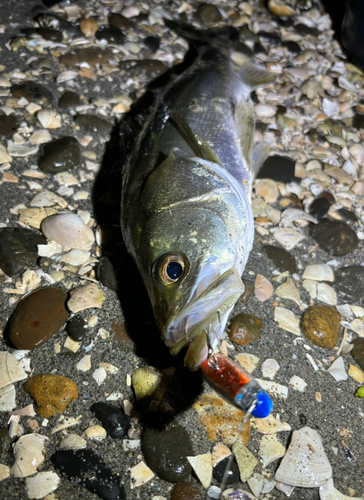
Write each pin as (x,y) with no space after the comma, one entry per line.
(28,451)
(270,449)
(69,230)
(305,463)
(319,272)
(248,361)
(329,492)
(49,119)
(10,369)
(85,297)
(72,442)
(202,466)
(270,425)
(270,368)
(42,484)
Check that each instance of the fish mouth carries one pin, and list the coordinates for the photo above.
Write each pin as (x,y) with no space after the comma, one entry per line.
(206,313)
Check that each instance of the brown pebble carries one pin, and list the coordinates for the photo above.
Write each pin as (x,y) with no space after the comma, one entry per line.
(245,329)
(89,27)
(321,325)
(52,393)
(185,491)
(38,317)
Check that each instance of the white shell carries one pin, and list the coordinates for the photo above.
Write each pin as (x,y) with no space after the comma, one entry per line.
(76,257)
(139,475)
(274,388)
(248,361)
(329,492)
(319,272)
(48,118)
(287,320)
(289,291)
(326,294)
(42,484)
(7,398)
(95,432)
(85,297)
(4,472)
(84,364)
(270,368)
(270,449)
(48,199)
(40,137)
(73,442)
(305,463)
(297,383)
(288,238)
(293,214)
(267,189)
(337,369)
(202,466)
(99,375)
(21,150)
(28,451)
(10,370)
(68,230)
(270,425)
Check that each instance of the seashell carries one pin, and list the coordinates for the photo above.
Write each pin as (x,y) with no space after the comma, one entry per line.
(329,492)
(72,345)
(7,398)
(40,137)
(72,442)
(85,297)
(280,9)
(270,368)
(202,466)
(4,157)
(146,380)
(326,294)
(49,119)
(69,230)
(111,369)
(270,425)
(99,375)
(245,459)
(270,449)
(248,361)
(356,151)
(288,290)
(95,432)
(42,484)
(288,238)
(66,76)
(52,248)
(84,364)
(26,411)
(256,483)
(10,370)
(48,199)
(263,288)
(66,422)
(297,383)
(319,272)
(267,189)
(236,493)
(219,452)
(305,463)
(21,150)
(28,452)
(274,388)
(76,257)
(35,216)
(358,311)
(4,472)
(330,108)
(311,287)
(285,488)
(287,320)
(356,374)
(294,214)
(88,27)
(337,370)
(139,475)
(264,110)
(131,444)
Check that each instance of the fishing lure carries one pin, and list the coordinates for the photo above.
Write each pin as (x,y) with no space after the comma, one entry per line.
(236,386)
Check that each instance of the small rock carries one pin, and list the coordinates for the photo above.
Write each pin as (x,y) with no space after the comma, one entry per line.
(18,249)
(8,125)
(38,317)
(111,34)
(52,393)
(106,273)
(88,27)
(278,168)
(185,491)
(245,329)
(90,55)
(321,325)
(93,124)
(357,352)
(166,449)
(283,260)
(207,15)
(119,21)
(147,383)
(76,328)
(227,469)
(143,70)
(59,155)
(5,444)
(68,100)
(85,467)
(32,91)
(112,418)
(335,237)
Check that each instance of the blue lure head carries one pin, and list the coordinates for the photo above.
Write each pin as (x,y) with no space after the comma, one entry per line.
(264,405)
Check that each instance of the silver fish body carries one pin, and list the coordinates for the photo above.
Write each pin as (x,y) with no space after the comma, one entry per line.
(186,213)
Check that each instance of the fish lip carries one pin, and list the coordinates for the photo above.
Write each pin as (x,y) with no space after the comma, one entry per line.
(221,295)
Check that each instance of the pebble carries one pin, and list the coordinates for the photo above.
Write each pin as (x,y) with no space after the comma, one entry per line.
(69,99)
(88,27)
(119,21)
(232,475)
(357,352)
(245,329)
(143,70)
(8,125)
(248,291)
(90,55)
(335,237)
(349,284)
(185,491)
(59,155)
(32,91)
(52,393)
(5,444)
(38,317)
(93,124)
(347,215)
(166,449)
(321,325)
(283,260)
(207,15)
(18,249)
(106,273)
(86,467)
(319,207)
(111,34)
(278,168)
(113,419)
(76,328)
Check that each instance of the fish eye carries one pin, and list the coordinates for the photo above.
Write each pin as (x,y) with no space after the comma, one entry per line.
(172,268)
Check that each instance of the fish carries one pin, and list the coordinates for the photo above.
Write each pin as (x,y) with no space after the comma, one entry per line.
(186,215)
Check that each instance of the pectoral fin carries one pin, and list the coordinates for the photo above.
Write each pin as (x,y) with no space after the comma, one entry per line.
(244,123)
(255,77)
(260,154)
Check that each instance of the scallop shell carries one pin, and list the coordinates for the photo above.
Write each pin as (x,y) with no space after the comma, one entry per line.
(28,452)
(72,442)
(99,375)
(42,484)
(49,119)
(76,257)
(329,492)
(69,230)
(48,199)
(305,463)
(10,370)
(293,214)
(248,361)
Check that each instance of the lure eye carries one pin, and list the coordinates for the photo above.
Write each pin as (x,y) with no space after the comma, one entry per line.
(172,268)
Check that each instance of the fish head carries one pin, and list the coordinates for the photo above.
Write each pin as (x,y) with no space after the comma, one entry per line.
(187,254)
